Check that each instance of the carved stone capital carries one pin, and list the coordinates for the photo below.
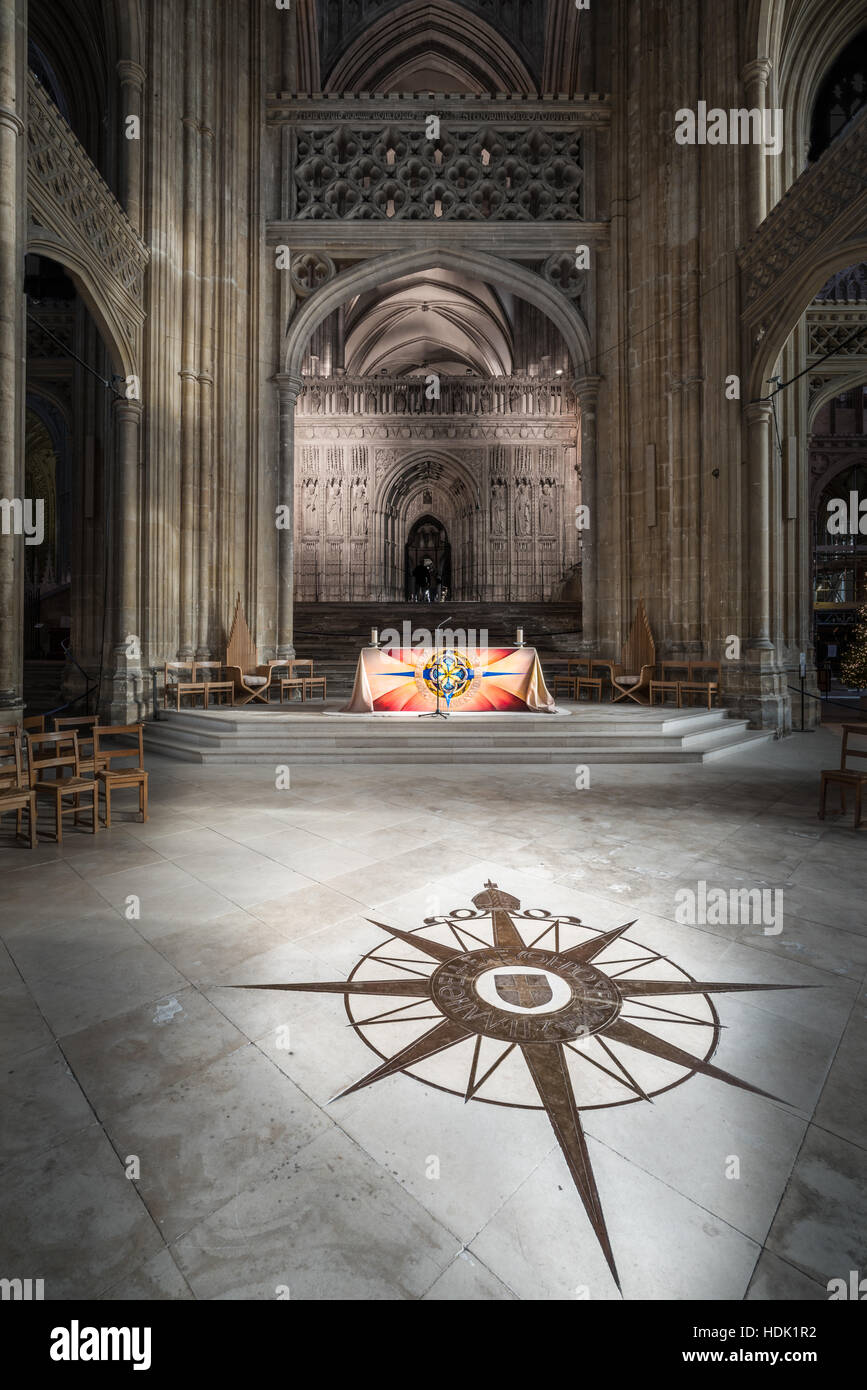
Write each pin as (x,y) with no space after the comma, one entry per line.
(11,120)
(758,413)
(131,74)
(126,411)
(289,387)
(755,75)
(586,390)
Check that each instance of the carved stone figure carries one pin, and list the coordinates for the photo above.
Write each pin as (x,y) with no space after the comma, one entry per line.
(523,511)
(334,507)
(547,509)
(359,507)
(310,514)
(498,509)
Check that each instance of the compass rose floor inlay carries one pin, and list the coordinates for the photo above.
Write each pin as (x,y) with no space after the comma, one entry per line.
(597,1018)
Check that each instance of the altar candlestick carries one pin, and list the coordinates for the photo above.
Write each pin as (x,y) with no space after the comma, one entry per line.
(374,636)
(520,637)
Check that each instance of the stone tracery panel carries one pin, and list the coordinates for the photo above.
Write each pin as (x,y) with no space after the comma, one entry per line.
(478,173)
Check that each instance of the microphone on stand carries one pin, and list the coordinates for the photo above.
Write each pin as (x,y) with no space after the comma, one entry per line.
(437,713)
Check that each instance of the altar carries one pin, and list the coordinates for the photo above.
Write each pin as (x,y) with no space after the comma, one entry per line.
(470,680)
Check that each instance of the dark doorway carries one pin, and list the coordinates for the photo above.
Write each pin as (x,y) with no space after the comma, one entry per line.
(428,563)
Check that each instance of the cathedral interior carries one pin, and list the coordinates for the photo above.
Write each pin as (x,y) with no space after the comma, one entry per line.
(337,318)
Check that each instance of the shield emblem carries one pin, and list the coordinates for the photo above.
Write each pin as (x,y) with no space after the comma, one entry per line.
(524,991)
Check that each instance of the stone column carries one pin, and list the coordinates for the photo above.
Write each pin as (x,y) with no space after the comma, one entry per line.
(758,416)
(207,254)
(587,394)
(13,114)
(132,79)
(755,79)
(289,389)
(190,302)
(126,661)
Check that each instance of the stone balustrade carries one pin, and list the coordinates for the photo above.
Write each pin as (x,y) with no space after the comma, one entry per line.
(365,396)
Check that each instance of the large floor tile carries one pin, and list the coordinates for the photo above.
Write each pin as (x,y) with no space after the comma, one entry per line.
(71,1216)
(822,1219)
(329,1225)
(215,1131)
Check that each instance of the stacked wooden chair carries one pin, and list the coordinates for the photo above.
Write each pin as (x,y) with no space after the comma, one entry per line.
(16,793)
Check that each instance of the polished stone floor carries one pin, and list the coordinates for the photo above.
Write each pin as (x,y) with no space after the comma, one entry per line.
(167,1134)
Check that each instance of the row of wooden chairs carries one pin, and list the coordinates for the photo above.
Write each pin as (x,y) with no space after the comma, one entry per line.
(685,681)
(70,762)
(195,679)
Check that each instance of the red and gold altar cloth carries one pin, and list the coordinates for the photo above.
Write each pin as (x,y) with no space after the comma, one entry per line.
(471,680)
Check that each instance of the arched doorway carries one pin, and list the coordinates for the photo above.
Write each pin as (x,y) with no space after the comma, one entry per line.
(428,559)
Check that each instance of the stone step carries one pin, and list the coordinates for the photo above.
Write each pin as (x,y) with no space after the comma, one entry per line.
(304,738)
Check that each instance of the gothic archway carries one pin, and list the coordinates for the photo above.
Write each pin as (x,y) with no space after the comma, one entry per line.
(427,559)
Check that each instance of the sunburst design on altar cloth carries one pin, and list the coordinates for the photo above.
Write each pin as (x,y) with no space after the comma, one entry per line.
(450,674)
(552,1014)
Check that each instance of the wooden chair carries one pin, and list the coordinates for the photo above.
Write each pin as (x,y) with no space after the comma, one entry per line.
(174,684)
(34,724)
(83,724)
(310,684)
(569,684)
(67,781)
(663,688)
(16,794)
(592,684)
(845,776)
(699,683)
(290,683)
(213,684)
(252,680)
(631,677)
(116,779)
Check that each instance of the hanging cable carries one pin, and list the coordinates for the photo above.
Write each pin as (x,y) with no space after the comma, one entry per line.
(862,328)
(107,382)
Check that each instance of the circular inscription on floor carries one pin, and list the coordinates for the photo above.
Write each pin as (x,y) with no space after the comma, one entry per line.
(527,996)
